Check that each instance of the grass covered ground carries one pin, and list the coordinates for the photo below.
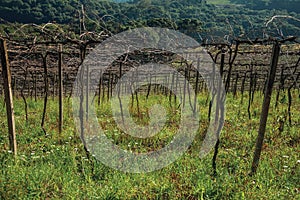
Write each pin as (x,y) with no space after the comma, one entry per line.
(56,167)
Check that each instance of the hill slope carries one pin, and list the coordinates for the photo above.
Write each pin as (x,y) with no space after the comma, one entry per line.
(190,16)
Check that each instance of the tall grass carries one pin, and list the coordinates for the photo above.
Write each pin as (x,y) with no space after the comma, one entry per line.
(49,166)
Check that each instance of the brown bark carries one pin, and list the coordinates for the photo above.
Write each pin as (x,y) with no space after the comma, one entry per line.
(265,108)
(60,92)
(46,88)
(8,97)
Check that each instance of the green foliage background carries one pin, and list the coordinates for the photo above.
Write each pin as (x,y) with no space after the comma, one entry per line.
(210,17)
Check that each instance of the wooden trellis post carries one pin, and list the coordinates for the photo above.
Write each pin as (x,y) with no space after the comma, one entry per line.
(265,107)
(60,85)
(8,97)
(46,88)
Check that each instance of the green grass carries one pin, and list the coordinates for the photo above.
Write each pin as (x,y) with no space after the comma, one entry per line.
(57,167)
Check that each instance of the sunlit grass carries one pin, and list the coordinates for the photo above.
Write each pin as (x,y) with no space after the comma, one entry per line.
(54,166)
